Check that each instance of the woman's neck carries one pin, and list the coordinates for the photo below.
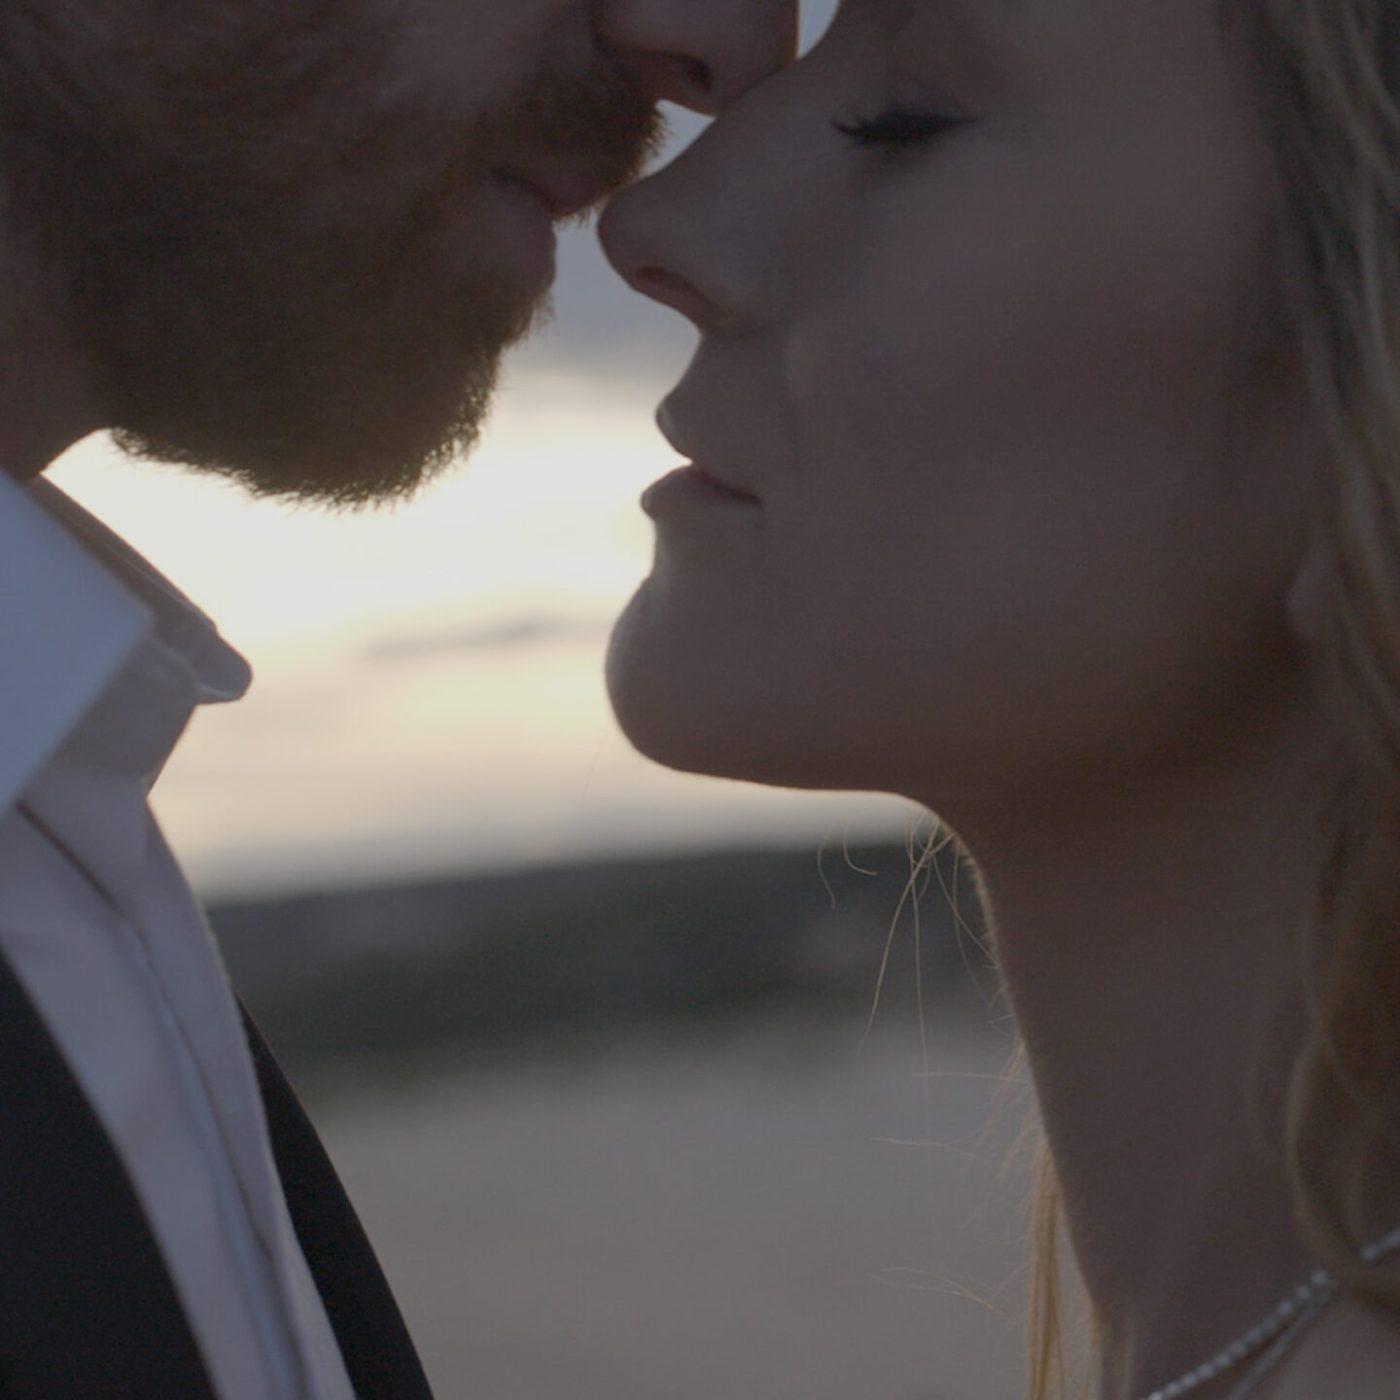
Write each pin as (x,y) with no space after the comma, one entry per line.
(1149,936)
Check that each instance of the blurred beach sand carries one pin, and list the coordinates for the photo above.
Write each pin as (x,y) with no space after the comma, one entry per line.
(766,1212)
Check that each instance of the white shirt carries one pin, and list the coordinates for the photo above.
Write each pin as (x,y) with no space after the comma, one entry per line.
(102,663)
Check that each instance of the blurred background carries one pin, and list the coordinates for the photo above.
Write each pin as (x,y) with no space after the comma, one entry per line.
(595,1046)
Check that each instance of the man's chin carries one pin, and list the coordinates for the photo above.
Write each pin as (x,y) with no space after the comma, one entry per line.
(366,446)
(364,418)
(334,475)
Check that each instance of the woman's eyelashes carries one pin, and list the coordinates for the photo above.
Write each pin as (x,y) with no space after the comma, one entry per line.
(898,127)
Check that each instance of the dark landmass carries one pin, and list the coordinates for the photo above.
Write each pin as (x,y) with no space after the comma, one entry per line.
(506,963)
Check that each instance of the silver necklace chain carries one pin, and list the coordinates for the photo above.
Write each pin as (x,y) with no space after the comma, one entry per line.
(1277,1332)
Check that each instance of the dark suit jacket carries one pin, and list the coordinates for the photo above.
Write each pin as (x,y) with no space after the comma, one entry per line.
(87,1309)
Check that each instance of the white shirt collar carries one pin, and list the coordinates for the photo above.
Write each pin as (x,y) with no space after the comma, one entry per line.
(77,606)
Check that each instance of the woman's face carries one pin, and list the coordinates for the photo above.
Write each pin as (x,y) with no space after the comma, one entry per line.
(981,287)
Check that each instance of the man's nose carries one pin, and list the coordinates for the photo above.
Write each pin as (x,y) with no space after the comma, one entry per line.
(701,54)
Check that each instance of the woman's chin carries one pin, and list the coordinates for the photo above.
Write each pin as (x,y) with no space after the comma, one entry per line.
(666,722)
(718,715)
(670,710)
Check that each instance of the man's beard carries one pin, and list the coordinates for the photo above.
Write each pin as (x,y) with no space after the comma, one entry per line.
(284,284)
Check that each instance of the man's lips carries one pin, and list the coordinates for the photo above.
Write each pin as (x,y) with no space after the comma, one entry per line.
(564,188)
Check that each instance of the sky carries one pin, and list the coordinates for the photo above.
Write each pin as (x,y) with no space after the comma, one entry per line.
(428,690)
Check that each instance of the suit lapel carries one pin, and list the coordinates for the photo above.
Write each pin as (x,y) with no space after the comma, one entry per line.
(373,1339)
(87,1308)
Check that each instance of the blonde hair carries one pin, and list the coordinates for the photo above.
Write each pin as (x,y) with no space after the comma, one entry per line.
(1327,78)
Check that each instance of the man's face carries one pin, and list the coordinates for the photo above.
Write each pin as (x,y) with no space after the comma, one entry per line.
(295,236)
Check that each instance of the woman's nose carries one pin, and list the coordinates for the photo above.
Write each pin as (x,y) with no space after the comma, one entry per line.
(712,235)
(672,239)
(701,54)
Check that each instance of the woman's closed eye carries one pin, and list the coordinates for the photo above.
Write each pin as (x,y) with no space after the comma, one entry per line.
(898,127)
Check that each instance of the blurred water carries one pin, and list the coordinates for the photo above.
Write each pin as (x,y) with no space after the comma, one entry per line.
(770,1213)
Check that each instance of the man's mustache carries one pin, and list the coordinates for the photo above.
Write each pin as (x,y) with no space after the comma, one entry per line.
(603,118)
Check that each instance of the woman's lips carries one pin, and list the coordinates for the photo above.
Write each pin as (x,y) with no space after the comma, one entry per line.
(693,486)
